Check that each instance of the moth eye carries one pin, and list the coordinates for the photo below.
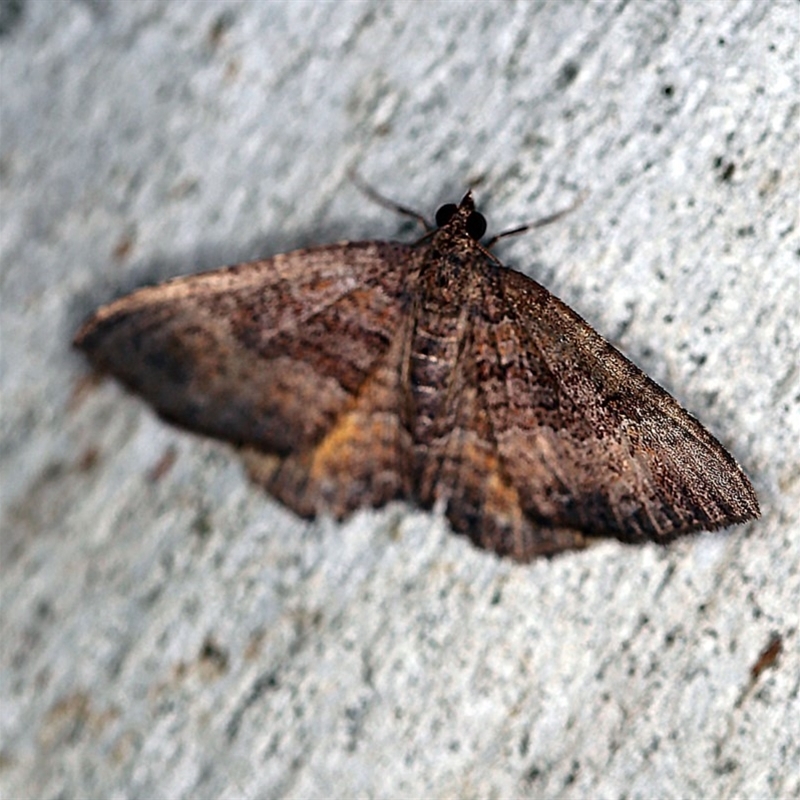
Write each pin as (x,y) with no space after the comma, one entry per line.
(445,214)
(476,225)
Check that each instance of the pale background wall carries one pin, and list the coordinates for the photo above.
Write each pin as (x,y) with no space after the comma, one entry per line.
(169,631)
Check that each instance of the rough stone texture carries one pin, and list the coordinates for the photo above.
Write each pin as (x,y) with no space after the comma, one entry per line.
(170,631)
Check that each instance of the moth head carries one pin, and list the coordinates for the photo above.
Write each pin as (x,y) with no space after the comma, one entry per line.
(464,213)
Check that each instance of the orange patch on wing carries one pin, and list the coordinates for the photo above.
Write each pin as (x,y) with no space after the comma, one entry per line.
(340,449)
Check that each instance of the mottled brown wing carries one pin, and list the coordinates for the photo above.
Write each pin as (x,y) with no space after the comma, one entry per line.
(365,455)
(462,468)
(277,355)
(582,437)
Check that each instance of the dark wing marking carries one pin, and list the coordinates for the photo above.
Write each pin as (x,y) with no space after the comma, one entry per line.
(265,353)
(587,440)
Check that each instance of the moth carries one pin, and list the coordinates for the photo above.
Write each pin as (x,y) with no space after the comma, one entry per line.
(359,373)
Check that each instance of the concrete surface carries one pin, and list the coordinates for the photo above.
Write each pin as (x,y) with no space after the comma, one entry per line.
(167,630)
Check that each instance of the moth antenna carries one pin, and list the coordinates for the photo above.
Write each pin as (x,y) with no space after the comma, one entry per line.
(539,223)
(378,198)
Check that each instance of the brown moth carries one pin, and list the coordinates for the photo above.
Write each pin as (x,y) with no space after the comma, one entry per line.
(363,372)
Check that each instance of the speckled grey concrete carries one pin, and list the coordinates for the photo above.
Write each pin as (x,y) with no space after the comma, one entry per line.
(169,631)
